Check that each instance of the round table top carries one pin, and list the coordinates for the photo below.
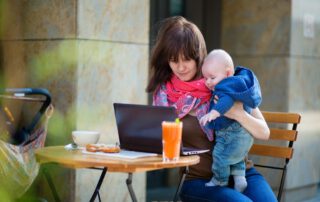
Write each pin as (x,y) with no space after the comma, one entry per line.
(78,159)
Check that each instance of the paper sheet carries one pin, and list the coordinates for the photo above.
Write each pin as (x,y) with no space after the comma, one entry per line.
(122,154)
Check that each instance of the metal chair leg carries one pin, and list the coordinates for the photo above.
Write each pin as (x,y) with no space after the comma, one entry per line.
(185,172)
(96,191)
(99,196)
(129,185)
(51,185)
(282,183)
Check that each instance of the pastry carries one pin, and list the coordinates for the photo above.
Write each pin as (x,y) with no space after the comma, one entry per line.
(103,148)
(110,149)
(93,147)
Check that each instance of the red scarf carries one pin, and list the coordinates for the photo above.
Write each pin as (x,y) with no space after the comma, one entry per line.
(177,89)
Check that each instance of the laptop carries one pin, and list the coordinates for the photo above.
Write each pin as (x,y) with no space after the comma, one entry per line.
(139,127)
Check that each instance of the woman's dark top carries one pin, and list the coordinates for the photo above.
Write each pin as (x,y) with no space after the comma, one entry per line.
(193,136)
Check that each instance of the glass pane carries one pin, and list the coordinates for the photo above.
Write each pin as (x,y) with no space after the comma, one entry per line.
(176,7)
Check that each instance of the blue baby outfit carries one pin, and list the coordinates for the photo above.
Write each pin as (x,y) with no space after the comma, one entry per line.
(232,141)
(244,87)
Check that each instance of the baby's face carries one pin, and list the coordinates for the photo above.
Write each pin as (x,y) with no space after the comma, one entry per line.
(213,72)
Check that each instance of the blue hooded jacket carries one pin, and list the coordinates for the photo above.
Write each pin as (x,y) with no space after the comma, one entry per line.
(243,86)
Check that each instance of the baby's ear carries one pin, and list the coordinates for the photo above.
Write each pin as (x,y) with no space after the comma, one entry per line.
(229,72)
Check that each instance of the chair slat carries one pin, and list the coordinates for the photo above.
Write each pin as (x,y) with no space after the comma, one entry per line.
(281,117)
(278,133)
(272,151)
(283,134)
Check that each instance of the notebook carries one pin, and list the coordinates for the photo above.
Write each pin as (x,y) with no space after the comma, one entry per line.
(139,127)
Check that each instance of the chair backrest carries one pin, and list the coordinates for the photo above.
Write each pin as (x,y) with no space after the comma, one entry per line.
(283,128)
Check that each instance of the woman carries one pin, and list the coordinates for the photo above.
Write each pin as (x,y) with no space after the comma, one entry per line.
(176,80)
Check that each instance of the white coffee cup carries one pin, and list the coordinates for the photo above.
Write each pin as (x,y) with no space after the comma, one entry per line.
(83,137)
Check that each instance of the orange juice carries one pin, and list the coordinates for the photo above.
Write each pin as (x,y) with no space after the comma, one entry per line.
(171,140)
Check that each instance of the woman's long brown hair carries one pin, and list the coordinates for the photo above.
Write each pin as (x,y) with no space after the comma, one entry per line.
(176,37)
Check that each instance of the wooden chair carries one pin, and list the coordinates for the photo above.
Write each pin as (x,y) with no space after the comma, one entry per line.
(283,128)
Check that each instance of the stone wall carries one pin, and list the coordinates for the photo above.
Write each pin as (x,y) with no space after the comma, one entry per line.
(113,44)
(268,36)
(88,54)
(304,97)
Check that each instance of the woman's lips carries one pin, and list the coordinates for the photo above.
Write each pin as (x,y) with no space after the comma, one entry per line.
(183,74)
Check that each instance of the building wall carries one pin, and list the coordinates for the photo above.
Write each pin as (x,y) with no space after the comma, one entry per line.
(268,36)
(257,36)
(112,67)
(88,54)
(304,97)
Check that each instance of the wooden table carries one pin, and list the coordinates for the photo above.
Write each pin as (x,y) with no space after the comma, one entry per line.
(77,159)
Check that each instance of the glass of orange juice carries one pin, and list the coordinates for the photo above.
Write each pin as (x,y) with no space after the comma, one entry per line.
(171,140)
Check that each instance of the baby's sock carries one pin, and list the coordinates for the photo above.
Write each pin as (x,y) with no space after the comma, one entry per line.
(210,184)
(240,183)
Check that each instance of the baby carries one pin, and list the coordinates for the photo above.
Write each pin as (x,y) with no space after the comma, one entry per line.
(232,141)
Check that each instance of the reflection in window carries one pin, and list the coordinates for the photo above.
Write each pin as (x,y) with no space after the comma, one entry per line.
(176,7)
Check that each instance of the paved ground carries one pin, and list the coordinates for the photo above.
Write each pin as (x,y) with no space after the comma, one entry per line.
(315,199)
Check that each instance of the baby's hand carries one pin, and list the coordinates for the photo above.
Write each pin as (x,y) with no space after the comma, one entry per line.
(212,115)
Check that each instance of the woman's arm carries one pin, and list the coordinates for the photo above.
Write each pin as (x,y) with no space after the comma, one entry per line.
(254,122)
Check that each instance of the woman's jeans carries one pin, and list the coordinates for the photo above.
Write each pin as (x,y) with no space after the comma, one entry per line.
(257,190)
(232,144)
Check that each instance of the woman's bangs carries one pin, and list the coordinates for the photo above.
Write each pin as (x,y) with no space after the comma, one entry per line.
(180,48)
(174,50)
(190,47)
(189,52)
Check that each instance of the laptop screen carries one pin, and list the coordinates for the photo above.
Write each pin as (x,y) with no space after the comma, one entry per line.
(139,126)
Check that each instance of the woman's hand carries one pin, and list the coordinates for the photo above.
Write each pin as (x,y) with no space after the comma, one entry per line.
(254,123)
(235,111)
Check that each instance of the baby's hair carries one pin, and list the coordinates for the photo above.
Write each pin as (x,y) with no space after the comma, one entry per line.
(222,55)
